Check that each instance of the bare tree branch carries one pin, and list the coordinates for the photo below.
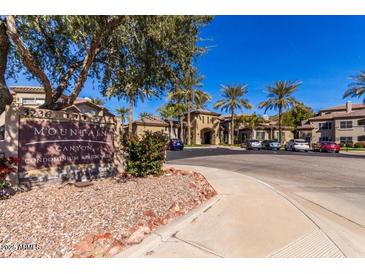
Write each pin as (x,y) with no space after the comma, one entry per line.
(5,95)
(28,58)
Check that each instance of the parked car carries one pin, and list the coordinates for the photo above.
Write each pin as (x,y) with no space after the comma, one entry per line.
(271,145)
(253,144)
(326,147)
(297,145)
(176,144)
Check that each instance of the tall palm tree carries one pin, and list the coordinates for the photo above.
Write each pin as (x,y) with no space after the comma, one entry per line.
(97,101)
(252,121)
(233,98)
(280,98)
(357,87)
(200,98)
(145,114)
(168,112)
(190,94)
(122,112)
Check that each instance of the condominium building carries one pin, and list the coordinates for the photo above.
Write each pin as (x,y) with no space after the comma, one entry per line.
(341,124)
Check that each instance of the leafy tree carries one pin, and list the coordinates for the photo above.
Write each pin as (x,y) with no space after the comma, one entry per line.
(169,113)
(154,58)
(357,87)
(122,112)
(280,98)
(189,92)
(233,99)
(296,115)
(128,54)
(97,101)
(58,51)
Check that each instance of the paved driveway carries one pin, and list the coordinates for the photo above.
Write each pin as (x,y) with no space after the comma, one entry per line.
(330,185)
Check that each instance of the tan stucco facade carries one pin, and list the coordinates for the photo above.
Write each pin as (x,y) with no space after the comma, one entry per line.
(205,128)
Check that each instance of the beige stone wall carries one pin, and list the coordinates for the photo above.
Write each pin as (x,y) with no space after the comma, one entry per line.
(141,129)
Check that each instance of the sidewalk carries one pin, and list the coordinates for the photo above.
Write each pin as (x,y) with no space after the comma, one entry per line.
(246,219)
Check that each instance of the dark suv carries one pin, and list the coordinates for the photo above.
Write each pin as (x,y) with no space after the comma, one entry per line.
(175,144)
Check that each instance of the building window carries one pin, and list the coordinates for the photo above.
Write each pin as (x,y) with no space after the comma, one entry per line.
(345,124)
(28,101)
(361,138)
(346,140)
(325,139)
(361,122)
(260,135)
(203,119)
(325,125)
(39,101)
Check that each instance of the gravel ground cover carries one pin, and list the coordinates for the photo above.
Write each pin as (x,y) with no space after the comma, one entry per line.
(98,220)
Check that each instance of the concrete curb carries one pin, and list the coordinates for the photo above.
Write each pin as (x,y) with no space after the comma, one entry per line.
(165,232)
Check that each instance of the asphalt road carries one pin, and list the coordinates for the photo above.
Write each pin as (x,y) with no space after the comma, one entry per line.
(331,185)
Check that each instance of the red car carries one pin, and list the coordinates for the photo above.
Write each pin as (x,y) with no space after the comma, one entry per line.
(327,147)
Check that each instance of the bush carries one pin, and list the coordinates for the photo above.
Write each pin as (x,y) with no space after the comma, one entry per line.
(350,145)
(358,145)
(342,145)
(7,166)
(146,155)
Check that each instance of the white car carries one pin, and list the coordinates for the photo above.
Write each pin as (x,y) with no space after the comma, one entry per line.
(297,145)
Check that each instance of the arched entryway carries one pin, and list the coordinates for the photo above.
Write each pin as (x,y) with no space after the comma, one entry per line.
(206,135)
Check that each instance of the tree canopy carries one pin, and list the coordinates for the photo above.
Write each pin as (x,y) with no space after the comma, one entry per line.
(122,53)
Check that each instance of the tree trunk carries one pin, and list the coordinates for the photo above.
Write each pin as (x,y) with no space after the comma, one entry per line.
(182,128)
(188,122)
(130,128)
(5,96)
(280,125)
(232,129)
(170,121)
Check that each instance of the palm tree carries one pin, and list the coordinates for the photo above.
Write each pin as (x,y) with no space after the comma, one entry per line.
(97,101)
(145,114)
(280,98)
(201,98)
(122,112)
(356,88)
(168,112)
(190,95)
(252,121)
(233,98)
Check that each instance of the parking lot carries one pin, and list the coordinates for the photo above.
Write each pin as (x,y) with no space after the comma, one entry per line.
(331,185)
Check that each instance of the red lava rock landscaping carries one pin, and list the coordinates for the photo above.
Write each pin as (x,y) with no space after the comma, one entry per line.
(98,220)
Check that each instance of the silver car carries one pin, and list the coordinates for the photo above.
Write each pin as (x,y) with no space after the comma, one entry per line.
(271,145)
(297,145)
(253,144)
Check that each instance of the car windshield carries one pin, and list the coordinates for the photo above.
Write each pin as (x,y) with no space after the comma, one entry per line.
(254,141)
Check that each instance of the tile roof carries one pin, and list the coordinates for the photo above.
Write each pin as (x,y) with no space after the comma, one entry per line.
(151,121)
(305,127)
(334,115)
(205,111)
(27,89)
(343,107)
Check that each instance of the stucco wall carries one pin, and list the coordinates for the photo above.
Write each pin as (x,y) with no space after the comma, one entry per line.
(202,123)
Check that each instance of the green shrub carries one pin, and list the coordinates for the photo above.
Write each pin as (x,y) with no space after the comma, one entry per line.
(145,156)
(342,145)
(350,145)
(358,145)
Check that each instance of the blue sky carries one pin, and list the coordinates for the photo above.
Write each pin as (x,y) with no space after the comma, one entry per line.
(321,51)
